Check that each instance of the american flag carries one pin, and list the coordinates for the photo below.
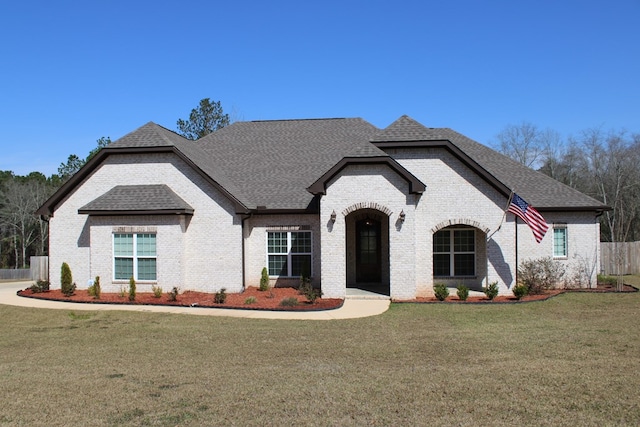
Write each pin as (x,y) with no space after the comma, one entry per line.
(532,217)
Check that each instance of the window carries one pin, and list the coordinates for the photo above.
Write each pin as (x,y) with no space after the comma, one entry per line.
(560,241)
(134,256)
(454,252)
(289,253)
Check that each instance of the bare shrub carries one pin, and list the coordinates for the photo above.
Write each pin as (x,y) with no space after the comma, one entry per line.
(541,274)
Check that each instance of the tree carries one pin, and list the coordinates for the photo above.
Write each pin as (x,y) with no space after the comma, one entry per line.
(102,142)
(21,196)
(525,143)
(67,170)
(203,120)
(74,163)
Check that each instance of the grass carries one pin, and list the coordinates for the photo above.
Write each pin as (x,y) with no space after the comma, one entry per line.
(571,360)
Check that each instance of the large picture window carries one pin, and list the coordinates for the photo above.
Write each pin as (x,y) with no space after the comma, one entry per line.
(134,255)
(454,252)
(289,253)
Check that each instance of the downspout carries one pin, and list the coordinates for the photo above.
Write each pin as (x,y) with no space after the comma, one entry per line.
(46,219)
(243,219)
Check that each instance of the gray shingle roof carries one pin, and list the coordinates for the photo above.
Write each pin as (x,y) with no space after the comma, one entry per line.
(272,163)
(143,199)
(275,161)
(536,188)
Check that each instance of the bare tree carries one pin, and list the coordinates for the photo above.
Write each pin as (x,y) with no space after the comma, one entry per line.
(21,197)
(524,143)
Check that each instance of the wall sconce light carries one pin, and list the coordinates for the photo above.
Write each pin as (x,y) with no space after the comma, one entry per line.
(402,215)
(333,216)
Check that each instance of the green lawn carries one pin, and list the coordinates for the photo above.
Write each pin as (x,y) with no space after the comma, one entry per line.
(571,360)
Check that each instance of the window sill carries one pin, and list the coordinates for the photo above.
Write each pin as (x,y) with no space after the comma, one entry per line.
(455,277)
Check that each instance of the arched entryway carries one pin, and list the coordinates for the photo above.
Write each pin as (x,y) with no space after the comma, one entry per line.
(367,243)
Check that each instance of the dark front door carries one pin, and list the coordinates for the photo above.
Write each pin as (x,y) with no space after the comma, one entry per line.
(368,265)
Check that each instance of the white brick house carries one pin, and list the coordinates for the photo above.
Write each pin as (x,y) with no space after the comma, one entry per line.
(393,210)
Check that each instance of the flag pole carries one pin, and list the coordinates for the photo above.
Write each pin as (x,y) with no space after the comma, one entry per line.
(516,224)
(504,215)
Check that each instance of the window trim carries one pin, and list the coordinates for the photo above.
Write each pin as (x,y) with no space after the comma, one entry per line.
(452,253)
(134,256)
(561,226)
(289,254)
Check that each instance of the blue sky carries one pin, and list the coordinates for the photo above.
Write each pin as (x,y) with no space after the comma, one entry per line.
(74,71)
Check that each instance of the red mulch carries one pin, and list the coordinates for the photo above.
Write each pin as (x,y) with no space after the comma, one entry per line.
(602,288)
(267,300)
(270,300)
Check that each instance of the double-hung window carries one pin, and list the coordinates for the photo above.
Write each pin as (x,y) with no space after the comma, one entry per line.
(134,255)
(454,252)
(560,247)
(289,253)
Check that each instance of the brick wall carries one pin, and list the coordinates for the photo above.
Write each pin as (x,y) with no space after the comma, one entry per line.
(202,252)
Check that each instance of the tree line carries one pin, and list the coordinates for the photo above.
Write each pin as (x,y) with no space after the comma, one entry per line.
(602,164)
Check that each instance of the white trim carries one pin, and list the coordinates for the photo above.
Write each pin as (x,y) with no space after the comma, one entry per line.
(288,253)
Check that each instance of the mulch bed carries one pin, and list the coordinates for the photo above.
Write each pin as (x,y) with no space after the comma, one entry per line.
(270,300)
(453,298)
(267,300)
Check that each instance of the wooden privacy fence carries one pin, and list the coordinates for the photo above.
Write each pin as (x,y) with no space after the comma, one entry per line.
(625,253)
(39,270)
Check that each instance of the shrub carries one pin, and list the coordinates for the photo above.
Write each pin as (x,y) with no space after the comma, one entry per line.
(157,291)
(94,289)
(289,302)
(441,291)
(250,300)
(310,293)
(519,291)
(540,274)
(173,294)
(607,280)
(97,287)
(123,291)
(491,291)
(221,296)
(132,289)
(66,280)
(463,292)
(264,279)
(40,286)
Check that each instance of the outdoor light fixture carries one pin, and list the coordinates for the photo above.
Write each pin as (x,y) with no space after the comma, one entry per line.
(333,216)
(402,215)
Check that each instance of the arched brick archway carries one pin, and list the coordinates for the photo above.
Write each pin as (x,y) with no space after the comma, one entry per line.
(367,244)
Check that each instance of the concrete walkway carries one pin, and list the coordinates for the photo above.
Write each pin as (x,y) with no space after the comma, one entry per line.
(354,306)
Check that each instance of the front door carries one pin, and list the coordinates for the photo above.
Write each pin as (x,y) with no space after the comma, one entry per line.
(368,265)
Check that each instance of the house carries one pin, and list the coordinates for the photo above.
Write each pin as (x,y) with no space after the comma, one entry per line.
(394,210)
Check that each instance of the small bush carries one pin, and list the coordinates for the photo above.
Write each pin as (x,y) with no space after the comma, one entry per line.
(463,292)
(310,293)
(289,302)
(491,291)
(264,280)
(40,286)
(97,287)
(123,291)
(157,291)
(607,280)
(173,294)
(250,300)
(541,274)
(221,296)
(66,280)
(520,291)
(132,289)
(441,291)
